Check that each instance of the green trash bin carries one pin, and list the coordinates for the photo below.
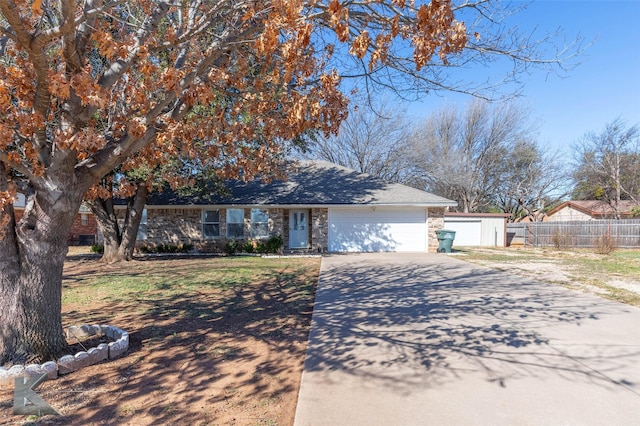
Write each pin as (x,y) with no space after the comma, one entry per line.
(445,240)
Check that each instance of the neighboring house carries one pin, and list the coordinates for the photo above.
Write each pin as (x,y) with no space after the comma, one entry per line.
(84,231)
(478,229)
(589,210)
(319,207)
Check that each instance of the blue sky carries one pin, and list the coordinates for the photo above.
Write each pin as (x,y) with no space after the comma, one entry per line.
(604,86)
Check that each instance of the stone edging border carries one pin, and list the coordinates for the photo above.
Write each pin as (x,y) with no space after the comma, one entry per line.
(70,363)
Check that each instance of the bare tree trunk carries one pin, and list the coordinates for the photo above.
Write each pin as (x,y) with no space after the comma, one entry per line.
(108,224)
(32,255)
(132,220)
(466,208)
(119,243)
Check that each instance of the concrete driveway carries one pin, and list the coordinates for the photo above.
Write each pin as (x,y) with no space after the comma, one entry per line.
(415,339)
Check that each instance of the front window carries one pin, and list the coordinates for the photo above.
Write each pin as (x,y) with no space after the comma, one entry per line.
(259,223)
(235,223)
(299,221)
(211,223)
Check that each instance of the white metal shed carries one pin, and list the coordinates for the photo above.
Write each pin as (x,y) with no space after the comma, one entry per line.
(477,229)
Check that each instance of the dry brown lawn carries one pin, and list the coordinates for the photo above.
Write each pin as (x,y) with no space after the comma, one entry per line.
(213,341)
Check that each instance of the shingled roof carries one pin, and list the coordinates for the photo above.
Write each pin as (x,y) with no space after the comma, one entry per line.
(311,183)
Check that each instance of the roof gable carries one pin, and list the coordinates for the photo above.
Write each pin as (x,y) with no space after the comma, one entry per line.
(312,183)
(596,208)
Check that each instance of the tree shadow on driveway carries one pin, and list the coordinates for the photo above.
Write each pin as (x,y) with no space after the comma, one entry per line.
(403,324)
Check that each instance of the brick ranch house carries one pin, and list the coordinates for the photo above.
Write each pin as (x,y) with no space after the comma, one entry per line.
(320,207)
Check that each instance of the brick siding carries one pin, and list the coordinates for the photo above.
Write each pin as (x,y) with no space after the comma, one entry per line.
(435,222)
(184,226)
(320,229)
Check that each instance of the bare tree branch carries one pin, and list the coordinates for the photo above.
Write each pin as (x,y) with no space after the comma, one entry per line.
(607,165)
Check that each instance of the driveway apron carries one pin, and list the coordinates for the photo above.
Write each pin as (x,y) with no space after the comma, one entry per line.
(416,339)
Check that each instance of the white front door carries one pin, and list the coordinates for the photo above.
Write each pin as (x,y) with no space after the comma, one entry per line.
(298,229)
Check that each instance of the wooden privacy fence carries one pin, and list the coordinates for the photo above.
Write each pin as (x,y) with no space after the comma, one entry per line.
(624,233)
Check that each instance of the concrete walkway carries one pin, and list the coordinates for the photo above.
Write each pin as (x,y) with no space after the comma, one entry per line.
(418,339)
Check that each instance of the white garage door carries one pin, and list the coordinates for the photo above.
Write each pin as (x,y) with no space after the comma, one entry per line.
(382,229)
(468,232)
